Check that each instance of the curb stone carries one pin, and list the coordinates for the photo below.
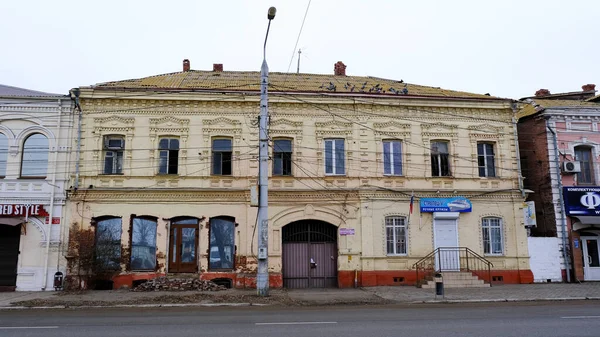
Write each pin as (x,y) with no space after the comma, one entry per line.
(496,300)
(166,305)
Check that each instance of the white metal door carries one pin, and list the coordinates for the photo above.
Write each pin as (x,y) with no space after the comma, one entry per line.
(591,258)
(446,236)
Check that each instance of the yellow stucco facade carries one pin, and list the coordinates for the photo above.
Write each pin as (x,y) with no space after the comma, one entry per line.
(355,202)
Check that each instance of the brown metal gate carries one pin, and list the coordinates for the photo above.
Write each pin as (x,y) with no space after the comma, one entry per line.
(309,255)
(9,255)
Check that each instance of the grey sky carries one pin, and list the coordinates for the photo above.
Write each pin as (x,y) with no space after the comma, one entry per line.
(508,48)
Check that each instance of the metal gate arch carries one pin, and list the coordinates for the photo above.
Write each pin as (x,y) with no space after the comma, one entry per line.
(309,254)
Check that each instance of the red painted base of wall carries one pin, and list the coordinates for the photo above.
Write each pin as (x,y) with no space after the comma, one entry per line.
(244,281)
(127,279)
(239,281)
(346,279)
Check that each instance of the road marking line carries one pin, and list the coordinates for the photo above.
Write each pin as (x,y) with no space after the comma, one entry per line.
(294,323)
(27,327)
(579,317)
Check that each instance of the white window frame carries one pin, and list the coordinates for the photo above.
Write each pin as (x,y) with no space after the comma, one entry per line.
(487,226)
(392,156)
(392,222)
(485,160)
(439,154)
(333,158)
(113,152)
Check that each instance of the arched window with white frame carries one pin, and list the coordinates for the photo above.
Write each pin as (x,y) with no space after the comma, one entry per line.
(3,154)
(34,162)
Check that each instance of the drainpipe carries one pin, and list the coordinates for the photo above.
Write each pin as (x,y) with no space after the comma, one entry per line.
(52,195)
(65,217)
(75,92)
(514,122)
(562,203)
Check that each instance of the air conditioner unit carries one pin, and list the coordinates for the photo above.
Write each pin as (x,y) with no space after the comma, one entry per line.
(571,167)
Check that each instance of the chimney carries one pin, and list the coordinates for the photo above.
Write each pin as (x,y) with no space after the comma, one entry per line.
(218,67)
(588,87)
(339,69)
(542,92)
(186,65)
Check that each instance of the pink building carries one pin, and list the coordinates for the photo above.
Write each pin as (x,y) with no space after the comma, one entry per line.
(559,146)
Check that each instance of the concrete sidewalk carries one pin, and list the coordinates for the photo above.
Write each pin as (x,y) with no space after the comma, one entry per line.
(302,297)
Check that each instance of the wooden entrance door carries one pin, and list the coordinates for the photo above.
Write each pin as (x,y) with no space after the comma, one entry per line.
(10,237)
(183,246)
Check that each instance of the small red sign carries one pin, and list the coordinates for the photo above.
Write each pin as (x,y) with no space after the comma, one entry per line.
(22,210)
(55,220)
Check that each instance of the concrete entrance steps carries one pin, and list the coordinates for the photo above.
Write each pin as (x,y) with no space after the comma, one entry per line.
(458,279)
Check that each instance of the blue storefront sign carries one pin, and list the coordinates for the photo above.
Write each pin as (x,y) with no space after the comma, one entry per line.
(582,201)
(457,204)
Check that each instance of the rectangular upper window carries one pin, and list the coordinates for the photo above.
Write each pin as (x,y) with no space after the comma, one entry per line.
(221,150)
(395,232)
(113,154)
(492,236)
(440,161)
(282,157)
(143,244)
(335,157)
(486,160)
(583,154)
(168,156)
(392,157)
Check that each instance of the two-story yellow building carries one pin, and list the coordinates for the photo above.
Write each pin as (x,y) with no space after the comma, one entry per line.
(167,164)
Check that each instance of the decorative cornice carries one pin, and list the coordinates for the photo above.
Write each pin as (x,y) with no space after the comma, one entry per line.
(222,122)
(333,125)
(284,123)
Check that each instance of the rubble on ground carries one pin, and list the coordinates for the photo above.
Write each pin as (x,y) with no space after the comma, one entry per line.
(177,284)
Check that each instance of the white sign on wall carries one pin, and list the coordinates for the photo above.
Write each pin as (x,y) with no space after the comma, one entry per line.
(529,214)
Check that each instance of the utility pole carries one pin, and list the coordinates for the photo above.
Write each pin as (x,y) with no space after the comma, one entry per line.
(262,277)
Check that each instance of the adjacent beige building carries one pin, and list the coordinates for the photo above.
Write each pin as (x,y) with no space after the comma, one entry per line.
(168,162)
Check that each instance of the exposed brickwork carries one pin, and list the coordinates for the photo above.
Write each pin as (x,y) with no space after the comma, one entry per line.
(542,92)
(577,254)
(588,87)
(339,69)
(218,67)
(533,147)
(186,65)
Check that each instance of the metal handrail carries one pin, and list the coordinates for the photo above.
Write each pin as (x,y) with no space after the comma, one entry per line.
(473,262)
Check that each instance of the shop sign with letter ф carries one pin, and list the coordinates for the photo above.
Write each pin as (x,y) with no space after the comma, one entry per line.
(582,201)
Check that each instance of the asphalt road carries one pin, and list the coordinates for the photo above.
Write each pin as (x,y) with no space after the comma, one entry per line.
(502,319)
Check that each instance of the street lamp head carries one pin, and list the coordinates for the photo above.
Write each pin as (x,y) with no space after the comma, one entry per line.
(271,14)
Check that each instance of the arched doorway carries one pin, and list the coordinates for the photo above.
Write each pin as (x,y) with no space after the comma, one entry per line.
(309,254)
(10,237)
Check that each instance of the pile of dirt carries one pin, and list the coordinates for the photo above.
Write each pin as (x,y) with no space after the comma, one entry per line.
(178,284)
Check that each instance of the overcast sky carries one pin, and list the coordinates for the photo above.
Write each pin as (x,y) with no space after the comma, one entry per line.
(507,48)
